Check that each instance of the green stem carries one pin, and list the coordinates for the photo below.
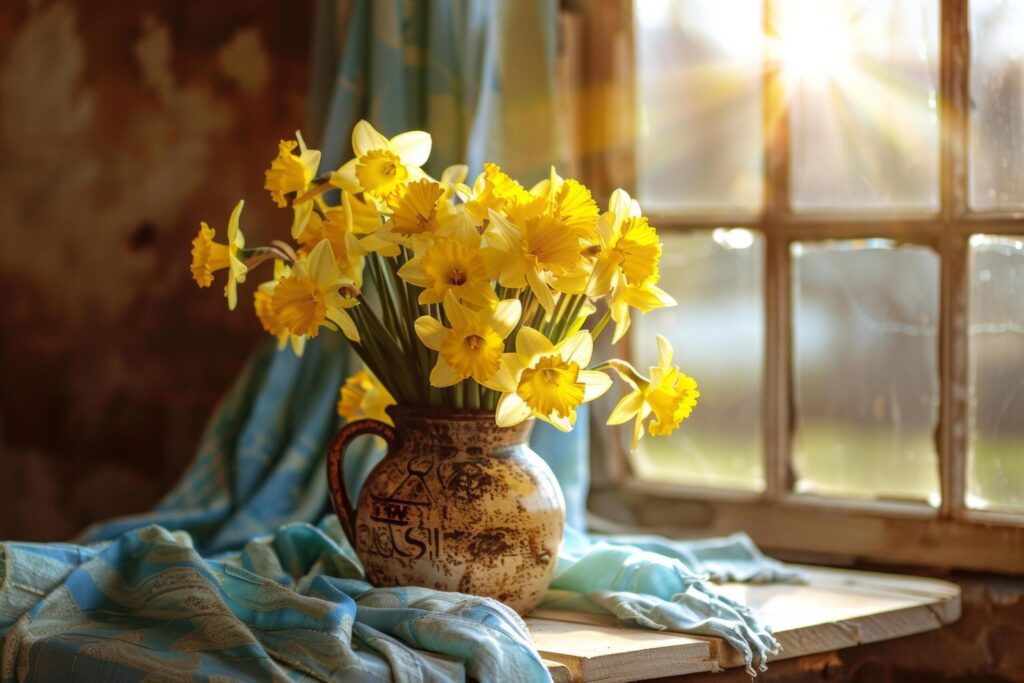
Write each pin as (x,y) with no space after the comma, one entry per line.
(601,324)
(472,391)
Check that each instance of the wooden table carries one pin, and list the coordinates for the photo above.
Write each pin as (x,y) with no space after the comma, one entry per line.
(836,608)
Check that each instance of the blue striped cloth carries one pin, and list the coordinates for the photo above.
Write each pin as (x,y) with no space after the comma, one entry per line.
(257,582)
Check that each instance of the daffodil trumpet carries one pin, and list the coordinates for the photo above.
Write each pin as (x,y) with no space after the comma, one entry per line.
(483,295)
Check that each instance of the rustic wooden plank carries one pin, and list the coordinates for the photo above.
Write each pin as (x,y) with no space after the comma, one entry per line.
(560,673)
(609,653)
(835,609)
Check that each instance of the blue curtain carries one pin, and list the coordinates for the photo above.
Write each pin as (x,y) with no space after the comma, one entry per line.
(479,76)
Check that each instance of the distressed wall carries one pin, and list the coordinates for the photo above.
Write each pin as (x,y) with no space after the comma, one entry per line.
(121,126)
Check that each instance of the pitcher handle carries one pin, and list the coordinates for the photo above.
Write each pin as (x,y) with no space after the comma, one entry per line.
(335,468)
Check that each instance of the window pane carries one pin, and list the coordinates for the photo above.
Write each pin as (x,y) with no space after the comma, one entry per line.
(717,331)
(699,65)
(862,83)
(996,341)
(865,350)
(997,104)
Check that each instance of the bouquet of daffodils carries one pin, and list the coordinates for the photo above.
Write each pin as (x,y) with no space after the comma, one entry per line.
(481,296)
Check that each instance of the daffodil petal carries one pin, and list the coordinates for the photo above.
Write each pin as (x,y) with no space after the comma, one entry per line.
(505,316)
(629,374)
(323,269)
(513,363)
(413,273)
(231,292)
(457,314)
(530,343)
(310,159)
(638,431)
(628,406)
(455,174)
(235,237)
(606,227)
(343,320)
(430,331)
(237,269)
(562,424)
(413,148)
(511,410)
(578,348)
(443,374)
(502,381)
(620,314)
(619,204)
(345,177)
(664,351)
(540,290)
(595,384)
(365,138)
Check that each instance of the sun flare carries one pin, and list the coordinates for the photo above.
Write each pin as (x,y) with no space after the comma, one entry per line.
(814,44)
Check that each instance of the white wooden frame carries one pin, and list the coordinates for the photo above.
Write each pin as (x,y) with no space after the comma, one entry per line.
(787,523)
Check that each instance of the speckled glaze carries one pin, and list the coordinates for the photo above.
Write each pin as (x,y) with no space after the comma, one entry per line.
(457,504)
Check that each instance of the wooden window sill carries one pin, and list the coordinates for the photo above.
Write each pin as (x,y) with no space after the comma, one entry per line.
(835,609)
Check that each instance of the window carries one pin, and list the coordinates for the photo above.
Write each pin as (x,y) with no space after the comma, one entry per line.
(840,190)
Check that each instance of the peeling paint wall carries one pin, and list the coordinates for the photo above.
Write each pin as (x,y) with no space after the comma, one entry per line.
(121,126)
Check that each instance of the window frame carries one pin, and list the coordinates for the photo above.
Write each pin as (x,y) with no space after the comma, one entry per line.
(789,524)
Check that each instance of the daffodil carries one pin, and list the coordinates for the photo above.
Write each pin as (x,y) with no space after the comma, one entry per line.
(309,297)
(549,381)
(474,344)
(414,211)
(337,226)
(448,265)
(668,395)
(489,191)
(420,212)
(629,247)
(381,165)
(495,190)
(263,302)
(570,202)
(208,256)
(364,397)
(291,173)
(543,253)
(644,298)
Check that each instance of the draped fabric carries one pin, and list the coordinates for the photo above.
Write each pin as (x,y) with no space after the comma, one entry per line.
(241,571)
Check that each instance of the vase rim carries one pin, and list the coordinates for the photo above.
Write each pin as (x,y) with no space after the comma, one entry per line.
(441,412)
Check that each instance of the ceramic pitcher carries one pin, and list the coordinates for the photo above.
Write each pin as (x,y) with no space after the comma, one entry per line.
(457,504)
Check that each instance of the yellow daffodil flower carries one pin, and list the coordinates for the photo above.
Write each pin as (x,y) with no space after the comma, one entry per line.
(645,298)
(208,256)
(542,254)
(309,298)
(382,165)
(668,395)
(289,172)
(495,190)
(629,247)
(448,265)
(414,209)
(570,202)
(549,381)
(263,299)
(364,397)
(420,212)
(337,227)
(474,344)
